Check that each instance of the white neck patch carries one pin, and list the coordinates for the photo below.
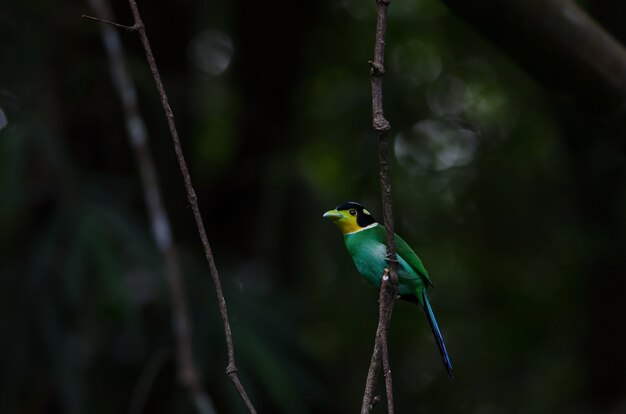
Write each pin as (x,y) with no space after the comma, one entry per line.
(363,228)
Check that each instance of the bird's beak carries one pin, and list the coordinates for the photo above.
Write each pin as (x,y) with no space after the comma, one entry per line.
(334,215)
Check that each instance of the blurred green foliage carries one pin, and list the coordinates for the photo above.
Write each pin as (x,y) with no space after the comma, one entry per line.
(513,199)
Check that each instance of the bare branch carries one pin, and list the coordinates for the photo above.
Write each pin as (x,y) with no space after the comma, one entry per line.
(231,369)
(383,342)
(386,300)
(138,137)
(389,284)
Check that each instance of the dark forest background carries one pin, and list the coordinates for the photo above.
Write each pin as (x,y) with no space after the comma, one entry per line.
(508,181)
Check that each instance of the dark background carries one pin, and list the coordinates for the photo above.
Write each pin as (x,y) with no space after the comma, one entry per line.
(510,185)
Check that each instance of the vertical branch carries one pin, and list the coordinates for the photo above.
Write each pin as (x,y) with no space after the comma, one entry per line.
(161,229)
(388,290)
(231,369)
(389,284)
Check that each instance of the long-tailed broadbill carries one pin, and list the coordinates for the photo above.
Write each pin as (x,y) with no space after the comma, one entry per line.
(366,243)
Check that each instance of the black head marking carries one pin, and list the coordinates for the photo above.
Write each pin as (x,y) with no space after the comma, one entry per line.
(363,217)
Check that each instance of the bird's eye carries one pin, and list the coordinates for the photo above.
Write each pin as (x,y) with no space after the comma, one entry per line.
(353,212)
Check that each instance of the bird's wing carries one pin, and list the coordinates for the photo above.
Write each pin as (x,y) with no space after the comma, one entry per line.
(411,258)
(403,250)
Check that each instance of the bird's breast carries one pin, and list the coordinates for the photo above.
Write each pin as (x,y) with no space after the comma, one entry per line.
(368,255)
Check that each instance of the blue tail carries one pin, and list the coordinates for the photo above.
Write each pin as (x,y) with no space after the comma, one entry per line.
(428,311)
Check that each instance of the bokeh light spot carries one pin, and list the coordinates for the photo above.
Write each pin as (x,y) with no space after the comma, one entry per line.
(211,52)
(436,145)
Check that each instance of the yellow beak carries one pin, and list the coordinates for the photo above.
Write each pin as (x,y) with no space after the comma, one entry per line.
(334,215)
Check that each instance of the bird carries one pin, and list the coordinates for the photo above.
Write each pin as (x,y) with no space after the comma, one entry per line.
(365,240)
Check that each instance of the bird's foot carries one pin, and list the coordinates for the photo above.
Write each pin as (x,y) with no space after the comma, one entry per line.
(386,274)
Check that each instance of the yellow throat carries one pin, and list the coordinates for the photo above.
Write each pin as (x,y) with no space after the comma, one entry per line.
(346,221)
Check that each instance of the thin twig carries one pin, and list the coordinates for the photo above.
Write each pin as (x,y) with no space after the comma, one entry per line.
(99,20)
(389,283)
(161,229)
(231,369)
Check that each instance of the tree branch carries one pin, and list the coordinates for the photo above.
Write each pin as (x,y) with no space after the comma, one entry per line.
(389,283)
(161,229)
(231,369)
(556,42)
